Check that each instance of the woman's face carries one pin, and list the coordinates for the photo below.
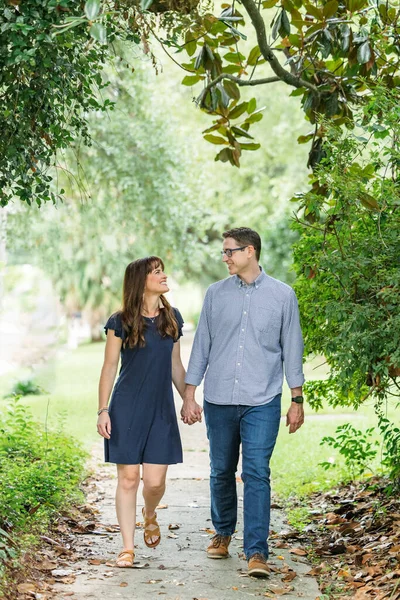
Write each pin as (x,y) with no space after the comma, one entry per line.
(156,281)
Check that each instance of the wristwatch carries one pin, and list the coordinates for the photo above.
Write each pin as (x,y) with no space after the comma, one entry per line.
(298,399)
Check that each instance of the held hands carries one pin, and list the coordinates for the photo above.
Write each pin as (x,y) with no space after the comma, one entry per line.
(295,417)
(190,411)
(104,425)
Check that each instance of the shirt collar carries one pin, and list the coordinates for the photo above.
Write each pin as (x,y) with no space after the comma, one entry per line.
(254,284)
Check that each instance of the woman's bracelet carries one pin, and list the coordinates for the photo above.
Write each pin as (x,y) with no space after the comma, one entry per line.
(102,410)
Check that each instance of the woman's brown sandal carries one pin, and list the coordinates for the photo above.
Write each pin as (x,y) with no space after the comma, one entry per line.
(151,529)
(127,557)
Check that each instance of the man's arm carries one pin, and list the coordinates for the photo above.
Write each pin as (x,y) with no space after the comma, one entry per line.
(191,411)
(292,349)
(295,414)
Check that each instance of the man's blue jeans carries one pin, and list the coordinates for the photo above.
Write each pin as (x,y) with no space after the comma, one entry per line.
(256,428)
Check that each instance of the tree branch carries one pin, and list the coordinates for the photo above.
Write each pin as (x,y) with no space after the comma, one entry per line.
(266,50)
(238,81)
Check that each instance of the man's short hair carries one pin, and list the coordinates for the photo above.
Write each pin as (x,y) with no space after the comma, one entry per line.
(245,236)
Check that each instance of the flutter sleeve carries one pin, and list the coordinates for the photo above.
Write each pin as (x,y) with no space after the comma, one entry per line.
(180,322)
(115,324)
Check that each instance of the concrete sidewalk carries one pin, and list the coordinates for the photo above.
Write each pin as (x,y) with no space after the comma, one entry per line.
(178,569)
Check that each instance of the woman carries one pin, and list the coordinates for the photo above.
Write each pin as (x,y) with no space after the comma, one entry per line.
(140,425)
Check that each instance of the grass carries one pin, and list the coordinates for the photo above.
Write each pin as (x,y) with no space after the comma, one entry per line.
(71,403)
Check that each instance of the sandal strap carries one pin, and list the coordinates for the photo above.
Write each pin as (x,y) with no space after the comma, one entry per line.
(130,552)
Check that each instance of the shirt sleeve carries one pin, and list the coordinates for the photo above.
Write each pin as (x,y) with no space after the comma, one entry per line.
(114,323)
(201,345)
(292,343)
(180,321)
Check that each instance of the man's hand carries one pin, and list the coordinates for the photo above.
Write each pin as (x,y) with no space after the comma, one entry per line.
(190,411)
(295,417)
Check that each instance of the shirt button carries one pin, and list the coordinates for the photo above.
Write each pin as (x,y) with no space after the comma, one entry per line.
(236,380)
(242,329)
(238,364)
(244,312)
(240,347)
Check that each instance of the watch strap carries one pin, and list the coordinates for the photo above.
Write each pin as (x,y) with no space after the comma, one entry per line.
(298,399)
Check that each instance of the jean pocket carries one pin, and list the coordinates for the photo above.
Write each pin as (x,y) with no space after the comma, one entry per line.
(267,319)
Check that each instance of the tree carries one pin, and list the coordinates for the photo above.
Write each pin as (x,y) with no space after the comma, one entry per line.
(141,204)
(348,266)
(332,54)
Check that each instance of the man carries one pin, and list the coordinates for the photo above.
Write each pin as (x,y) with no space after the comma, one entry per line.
(249,328)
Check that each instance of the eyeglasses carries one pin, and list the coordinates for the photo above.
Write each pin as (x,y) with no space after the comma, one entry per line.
(230,251)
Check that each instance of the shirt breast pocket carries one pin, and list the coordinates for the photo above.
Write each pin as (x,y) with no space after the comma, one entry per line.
(267,320)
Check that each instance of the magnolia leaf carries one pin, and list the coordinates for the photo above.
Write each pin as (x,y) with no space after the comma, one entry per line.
(232,89)
(250,146)
(277,26)
(314,11)
(98,32)
(215,139)
(285,25)
(255,53)
(191,79)
(199,59)
(364,53)
(92,9)
(303,139)
(234,57)
(254,118)
(252,105)
(224,155)
(240,132)
(190,43)
(238,110)
(330,8)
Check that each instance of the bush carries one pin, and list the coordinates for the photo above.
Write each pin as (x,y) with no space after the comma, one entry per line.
(347,261)
(25,388)
(40,472)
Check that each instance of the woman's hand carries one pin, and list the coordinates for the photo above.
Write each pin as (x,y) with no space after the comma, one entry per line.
(104,425)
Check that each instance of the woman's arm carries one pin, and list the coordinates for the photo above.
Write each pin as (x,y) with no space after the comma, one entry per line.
(107,378)
(178,370)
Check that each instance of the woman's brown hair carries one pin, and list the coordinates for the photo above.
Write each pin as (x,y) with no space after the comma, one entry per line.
(132,304)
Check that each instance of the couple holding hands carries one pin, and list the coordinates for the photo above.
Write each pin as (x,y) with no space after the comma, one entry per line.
(248,332)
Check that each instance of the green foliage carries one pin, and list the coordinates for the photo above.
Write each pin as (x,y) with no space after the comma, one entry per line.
(25,388)
(135,198)
(48,85)
(355,446)
(40,472)
(347,262)
(332,52)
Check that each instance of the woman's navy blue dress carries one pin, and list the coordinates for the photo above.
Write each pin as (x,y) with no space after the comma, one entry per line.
(144,427)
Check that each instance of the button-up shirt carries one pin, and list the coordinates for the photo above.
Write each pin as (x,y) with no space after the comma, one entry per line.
(246,334)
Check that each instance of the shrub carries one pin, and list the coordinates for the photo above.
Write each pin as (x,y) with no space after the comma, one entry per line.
(40,472)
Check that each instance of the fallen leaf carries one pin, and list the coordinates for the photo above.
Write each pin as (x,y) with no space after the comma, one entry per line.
(172,535)
(96,561)
(290,576)
(25,588)
(46,565)
(123,584)
(173,526)
(161,506)
(298,551)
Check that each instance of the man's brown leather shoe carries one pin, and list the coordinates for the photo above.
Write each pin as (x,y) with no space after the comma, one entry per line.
(258,566)
(219,546)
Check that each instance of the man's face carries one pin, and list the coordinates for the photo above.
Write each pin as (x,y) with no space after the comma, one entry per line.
(239,259)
